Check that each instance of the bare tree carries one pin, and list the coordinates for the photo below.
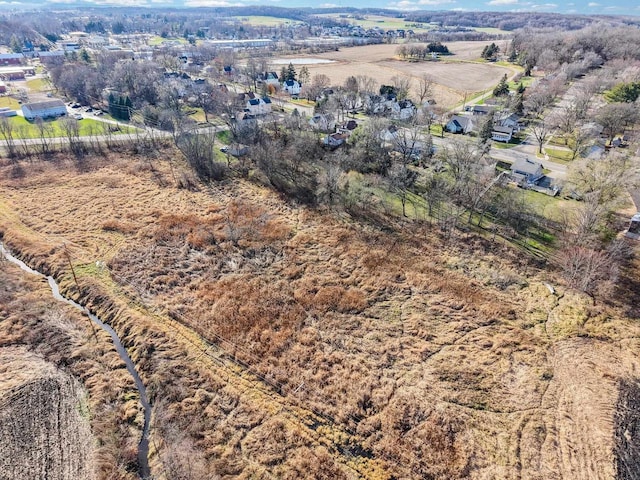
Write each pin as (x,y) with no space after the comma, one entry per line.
(71,131)
(591,269)
(540,130)
(436,190)
(564,119)
(614,117)
(198,149)
(45,132)
(402,85)
(425,88)
(7,130)
(580,138)
(330,182)
(407,142)
(401,181)
(366,85)
(607,180)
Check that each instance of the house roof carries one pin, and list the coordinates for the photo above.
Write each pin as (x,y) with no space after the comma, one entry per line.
(503,130)
(482,109)
(509,116)
(254,101)
(290,83)
(524,165)
(462,122)
(44,105)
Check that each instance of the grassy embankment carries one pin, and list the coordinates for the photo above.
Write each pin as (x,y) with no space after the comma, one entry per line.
(392,351)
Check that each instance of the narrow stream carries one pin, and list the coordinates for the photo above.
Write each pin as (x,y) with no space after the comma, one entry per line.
(143,446)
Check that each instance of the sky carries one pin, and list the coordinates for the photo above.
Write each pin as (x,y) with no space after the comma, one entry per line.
(602,7)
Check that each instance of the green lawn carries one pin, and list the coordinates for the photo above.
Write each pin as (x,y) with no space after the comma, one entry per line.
(552,208)
(39,85)
(526,81)
(157,40)
(88,126)
(558,155)
(384,22)
(302,102)
(198,116)
(436,130)
(9,102)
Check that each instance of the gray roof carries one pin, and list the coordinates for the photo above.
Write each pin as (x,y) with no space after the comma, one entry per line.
(462,122)
(526,166)
(44,105)
(505,130)
(482,109)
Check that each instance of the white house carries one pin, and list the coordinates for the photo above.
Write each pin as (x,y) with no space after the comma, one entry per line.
(270,78)
(509,120)
(323,121)
(501,134)
(403,110)
(46,109)
(259,106)
(292,87)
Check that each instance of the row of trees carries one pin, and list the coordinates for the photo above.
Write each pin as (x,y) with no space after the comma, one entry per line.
(421,52)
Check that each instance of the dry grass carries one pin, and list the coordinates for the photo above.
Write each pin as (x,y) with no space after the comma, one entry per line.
(57,342)
(442,359)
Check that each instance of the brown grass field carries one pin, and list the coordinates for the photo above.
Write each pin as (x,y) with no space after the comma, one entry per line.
(283,342)
(454,76)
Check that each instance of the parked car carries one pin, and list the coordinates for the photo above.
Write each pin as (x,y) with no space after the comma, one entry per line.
(77,116)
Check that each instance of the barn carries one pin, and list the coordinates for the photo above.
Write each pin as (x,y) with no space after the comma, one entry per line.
(46,109)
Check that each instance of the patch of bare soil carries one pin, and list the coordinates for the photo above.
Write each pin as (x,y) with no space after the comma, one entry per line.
(44,423)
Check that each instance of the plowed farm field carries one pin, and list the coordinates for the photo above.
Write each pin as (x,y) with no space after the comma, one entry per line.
(455,76)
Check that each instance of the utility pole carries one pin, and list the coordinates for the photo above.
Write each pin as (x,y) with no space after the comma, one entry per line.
(73,272)
(75,279)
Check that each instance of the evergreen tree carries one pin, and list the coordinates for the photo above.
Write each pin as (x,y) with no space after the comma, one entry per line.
(291,72)
(128,105)
(502,88)
(84,56)
(490,51)
(112,105)
(518,104)
(486,129)
(15,44)
(283,74)
(520,89)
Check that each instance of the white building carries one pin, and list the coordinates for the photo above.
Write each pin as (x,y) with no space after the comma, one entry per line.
(292,87)
(259,106)
(46,109)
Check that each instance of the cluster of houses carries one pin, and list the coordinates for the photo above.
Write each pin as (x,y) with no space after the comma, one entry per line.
(337,134)
(505,125)
(390,106)
(350,30)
